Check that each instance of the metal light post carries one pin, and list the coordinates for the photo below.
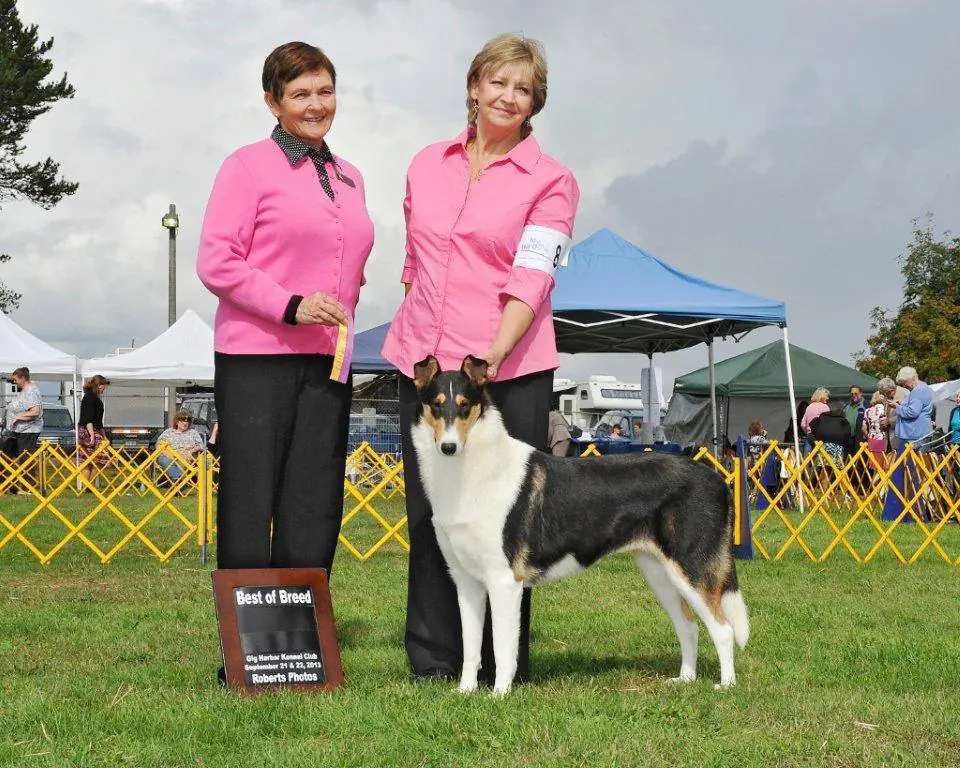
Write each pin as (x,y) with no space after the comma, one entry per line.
(171,221)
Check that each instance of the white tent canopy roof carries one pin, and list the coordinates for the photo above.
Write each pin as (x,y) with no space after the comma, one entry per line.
(21,348)
(180,356)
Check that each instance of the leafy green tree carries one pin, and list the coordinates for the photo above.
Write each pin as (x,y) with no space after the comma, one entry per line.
(925,331)
(24,96)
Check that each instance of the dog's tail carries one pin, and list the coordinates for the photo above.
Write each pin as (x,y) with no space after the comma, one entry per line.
(735,608)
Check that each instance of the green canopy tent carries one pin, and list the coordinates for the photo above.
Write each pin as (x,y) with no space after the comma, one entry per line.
(753,386)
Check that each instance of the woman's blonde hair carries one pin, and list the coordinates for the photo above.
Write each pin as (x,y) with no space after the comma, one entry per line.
(820,395)
(510,49)
(877,398)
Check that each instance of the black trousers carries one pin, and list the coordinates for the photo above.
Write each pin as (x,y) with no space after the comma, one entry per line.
(433,637)
(283,444)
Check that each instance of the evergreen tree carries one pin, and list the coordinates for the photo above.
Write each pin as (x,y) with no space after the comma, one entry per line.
(24,96)
(925,331)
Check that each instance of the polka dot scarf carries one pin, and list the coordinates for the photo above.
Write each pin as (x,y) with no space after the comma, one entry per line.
(296,149)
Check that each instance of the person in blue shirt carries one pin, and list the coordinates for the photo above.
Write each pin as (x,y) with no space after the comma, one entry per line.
(914,423)
(953,423)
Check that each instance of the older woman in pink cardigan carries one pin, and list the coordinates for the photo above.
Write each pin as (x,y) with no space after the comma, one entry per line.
(285,238)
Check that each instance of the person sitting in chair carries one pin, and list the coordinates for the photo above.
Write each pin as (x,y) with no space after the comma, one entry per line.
(183,439)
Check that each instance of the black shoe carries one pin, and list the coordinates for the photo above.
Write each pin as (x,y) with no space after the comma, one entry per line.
(222,676)
(434,673)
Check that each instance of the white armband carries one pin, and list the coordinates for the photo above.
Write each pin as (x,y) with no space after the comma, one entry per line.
(542,248)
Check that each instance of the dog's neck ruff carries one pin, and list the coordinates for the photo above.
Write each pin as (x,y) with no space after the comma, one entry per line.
(490,464)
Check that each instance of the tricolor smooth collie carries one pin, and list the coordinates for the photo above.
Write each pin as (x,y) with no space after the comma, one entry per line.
(508,517)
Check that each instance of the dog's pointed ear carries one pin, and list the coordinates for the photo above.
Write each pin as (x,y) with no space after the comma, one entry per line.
(424,371)
(475,369)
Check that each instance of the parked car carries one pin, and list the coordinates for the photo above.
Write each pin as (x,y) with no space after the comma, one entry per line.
(58,428)
(204,412)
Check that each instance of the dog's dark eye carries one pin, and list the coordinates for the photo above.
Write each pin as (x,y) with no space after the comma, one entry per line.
(435,410)
(465,410)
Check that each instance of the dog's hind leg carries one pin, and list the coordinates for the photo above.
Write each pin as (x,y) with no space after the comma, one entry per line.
(472,599)
(688,633)
(505,596)
(707,604)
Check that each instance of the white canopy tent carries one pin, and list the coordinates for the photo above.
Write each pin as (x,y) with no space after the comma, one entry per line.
(180,356)
(944,399)
(19,347)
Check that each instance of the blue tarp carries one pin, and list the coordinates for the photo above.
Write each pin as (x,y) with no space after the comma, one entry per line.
(366,351)
(662,309)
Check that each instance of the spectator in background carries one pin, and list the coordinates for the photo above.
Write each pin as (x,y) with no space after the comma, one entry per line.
(559,441)
(853,411)
(953,423)
(90,424)
(756,439)
(183,439)
(888,388)
(25,412)
(874,431)
(914,423)
(830,428)
(801,411)
(819,404)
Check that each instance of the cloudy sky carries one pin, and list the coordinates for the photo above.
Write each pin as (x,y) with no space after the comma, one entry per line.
(782,147)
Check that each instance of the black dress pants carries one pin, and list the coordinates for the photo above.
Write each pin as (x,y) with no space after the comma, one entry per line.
(433,637)
(283,445)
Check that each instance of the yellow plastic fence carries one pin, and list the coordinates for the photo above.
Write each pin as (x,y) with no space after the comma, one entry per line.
(158,501)
(902,505)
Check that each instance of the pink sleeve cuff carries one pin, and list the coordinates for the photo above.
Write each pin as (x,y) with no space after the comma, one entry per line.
(531,286)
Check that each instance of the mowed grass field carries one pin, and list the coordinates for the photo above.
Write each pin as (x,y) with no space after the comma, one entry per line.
(848,665)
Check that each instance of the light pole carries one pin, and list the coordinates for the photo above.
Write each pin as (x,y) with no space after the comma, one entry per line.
(171,221)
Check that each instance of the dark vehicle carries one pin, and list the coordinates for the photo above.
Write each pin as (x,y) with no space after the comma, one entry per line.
(58,428)
(204,412)
(131,437)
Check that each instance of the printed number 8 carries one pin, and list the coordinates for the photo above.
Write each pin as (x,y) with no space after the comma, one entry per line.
(556,258)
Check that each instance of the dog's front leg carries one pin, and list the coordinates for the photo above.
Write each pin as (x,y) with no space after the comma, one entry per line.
(505,598)
(471,597)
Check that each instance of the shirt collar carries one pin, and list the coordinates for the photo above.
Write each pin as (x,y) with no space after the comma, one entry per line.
(525,155)
(296,148)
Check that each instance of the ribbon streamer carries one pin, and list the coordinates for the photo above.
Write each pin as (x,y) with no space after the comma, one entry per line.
(343,355)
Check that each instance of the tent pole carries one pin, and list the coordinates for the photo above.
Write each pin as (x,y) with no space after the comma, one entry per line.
(793,411)
(76,422)
(713,400)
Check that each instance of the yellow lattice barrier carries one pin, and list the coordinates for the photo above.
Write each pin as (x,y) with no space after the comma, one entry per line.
(105,501)
(159,500)
(906,504)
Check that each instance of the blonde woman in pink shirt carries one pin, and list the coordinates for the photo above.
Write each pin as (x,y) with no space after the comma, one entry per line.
(285,238)
(489,219)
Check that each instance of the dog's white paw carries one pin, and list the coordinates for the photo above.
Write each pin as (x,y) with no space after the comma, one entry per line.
(467,687)
(499,691)
(682,678)
(724,686)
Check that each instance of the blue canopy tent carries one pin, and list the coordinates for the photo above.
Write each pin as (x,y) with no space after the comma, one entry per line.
(366,351)
(616,297)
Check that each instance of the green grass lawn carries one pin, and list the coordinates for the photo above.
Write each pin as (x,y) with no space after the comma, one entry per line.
(848,665)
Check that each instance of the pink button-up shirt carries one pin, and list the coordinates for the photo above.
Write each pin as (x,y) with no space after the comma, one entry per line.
(269,233)
(461,243)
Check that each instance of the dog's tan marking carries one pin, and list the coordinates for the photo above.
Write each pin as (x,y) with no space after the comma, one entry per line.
(522,571)
(439,425)
(465,424)
(441,398)
(460,400)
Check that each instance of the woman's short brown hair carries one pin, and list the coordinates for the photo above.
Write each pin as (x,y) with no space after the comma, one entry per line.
(184,414)
(510,49)
(95,382)
(290,60)
(755,428)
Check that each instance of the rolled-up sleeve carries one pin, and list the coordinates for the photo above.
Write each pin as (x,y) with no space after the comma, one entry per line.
(410,262)
(555,209)
(225,241)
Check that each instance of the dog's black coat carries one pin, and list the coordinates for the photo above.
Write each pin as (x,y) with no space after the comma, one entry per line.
(679,505)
